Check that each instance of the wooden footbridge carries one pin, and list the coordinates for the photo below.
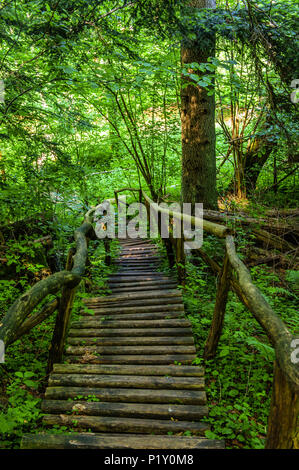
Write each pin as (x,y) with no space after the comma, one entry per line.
(128,376)
(123,375)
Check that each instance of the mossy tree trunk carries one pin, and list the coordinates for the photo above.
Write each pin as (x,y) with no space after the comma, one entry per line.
(198,124)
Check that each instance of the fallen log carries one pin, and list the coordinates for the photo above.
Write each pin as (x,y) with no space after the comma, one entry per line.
(269,223)
(269,239)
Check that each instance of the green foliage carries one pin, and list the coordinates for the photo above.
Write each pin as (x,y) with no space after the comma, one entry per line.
(92,104)
(239,378)
(22,410)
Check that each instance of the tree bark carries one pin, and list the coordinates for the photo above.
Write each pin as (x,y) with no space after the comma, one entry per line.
(198,124)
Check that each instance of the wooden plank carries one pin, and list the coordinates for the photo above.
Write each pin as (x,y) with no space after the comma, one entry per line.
(136,410)
(128,395)
(146,257)
(131,359)
(142,264)
(127,350)
(123,290)
(146,260)
(142,279)
(173,370)
(140,248)
(136,248)
(140,254)
(126,381)
(131,272)
(153,305)
(97,323)
(137,244)
(126,425)
(111,332)
(142,306)
(115,441)
(140,295)
(143,283)
(143,276)
(127,271)
(137,309)
(130,340)
(144,316)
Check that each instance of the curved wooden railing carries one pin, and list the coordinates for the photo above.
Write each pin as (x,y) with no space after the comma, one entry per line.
(283,429)
(18,320)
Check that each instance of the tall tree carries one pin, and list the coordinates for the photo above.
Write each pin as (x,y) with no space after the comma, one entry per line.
(198,121)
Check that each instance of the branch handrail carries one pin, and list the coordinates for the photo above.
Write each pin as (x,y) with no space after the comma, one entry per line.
(17,320)
(271,323)
(215,229)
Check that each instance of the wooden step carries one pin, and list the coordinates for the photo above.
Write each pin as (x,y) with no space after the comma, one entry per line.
(137,276)
(138,306)
(139,272)
(143,283)
(144,316)
(126,270)
(136,279)
(146,260)
(147,256)
(115,441)
(130,410)
(133,359)
(125,425)
(136,309)
(137,244)
(142,280)
(140,254)
(172,371)
(130,340)
(127,350)
(126,381)
(140,295)
(128,395)
(97,323)
(124,290)
(151,267)
(141,248)
(150,247)
(81,329)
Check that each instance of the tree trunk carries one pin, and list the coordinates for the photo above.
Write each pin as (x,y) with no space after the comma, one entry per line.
(198,125)
(255,158)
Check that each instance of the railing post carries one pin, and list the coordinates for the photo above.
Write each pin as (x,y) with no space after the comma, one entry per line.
(219,309)
(180,258)
(166,241)
(283,421)
(62,319)
(107,251)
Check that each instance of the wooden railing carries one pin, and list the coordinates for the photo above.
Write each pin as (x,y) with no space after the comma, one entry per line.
(18,320)
(283,431)
(283,417)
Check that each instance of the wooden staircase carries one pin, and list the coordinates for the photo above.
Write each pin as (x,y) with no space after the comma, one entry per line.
(128,381)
